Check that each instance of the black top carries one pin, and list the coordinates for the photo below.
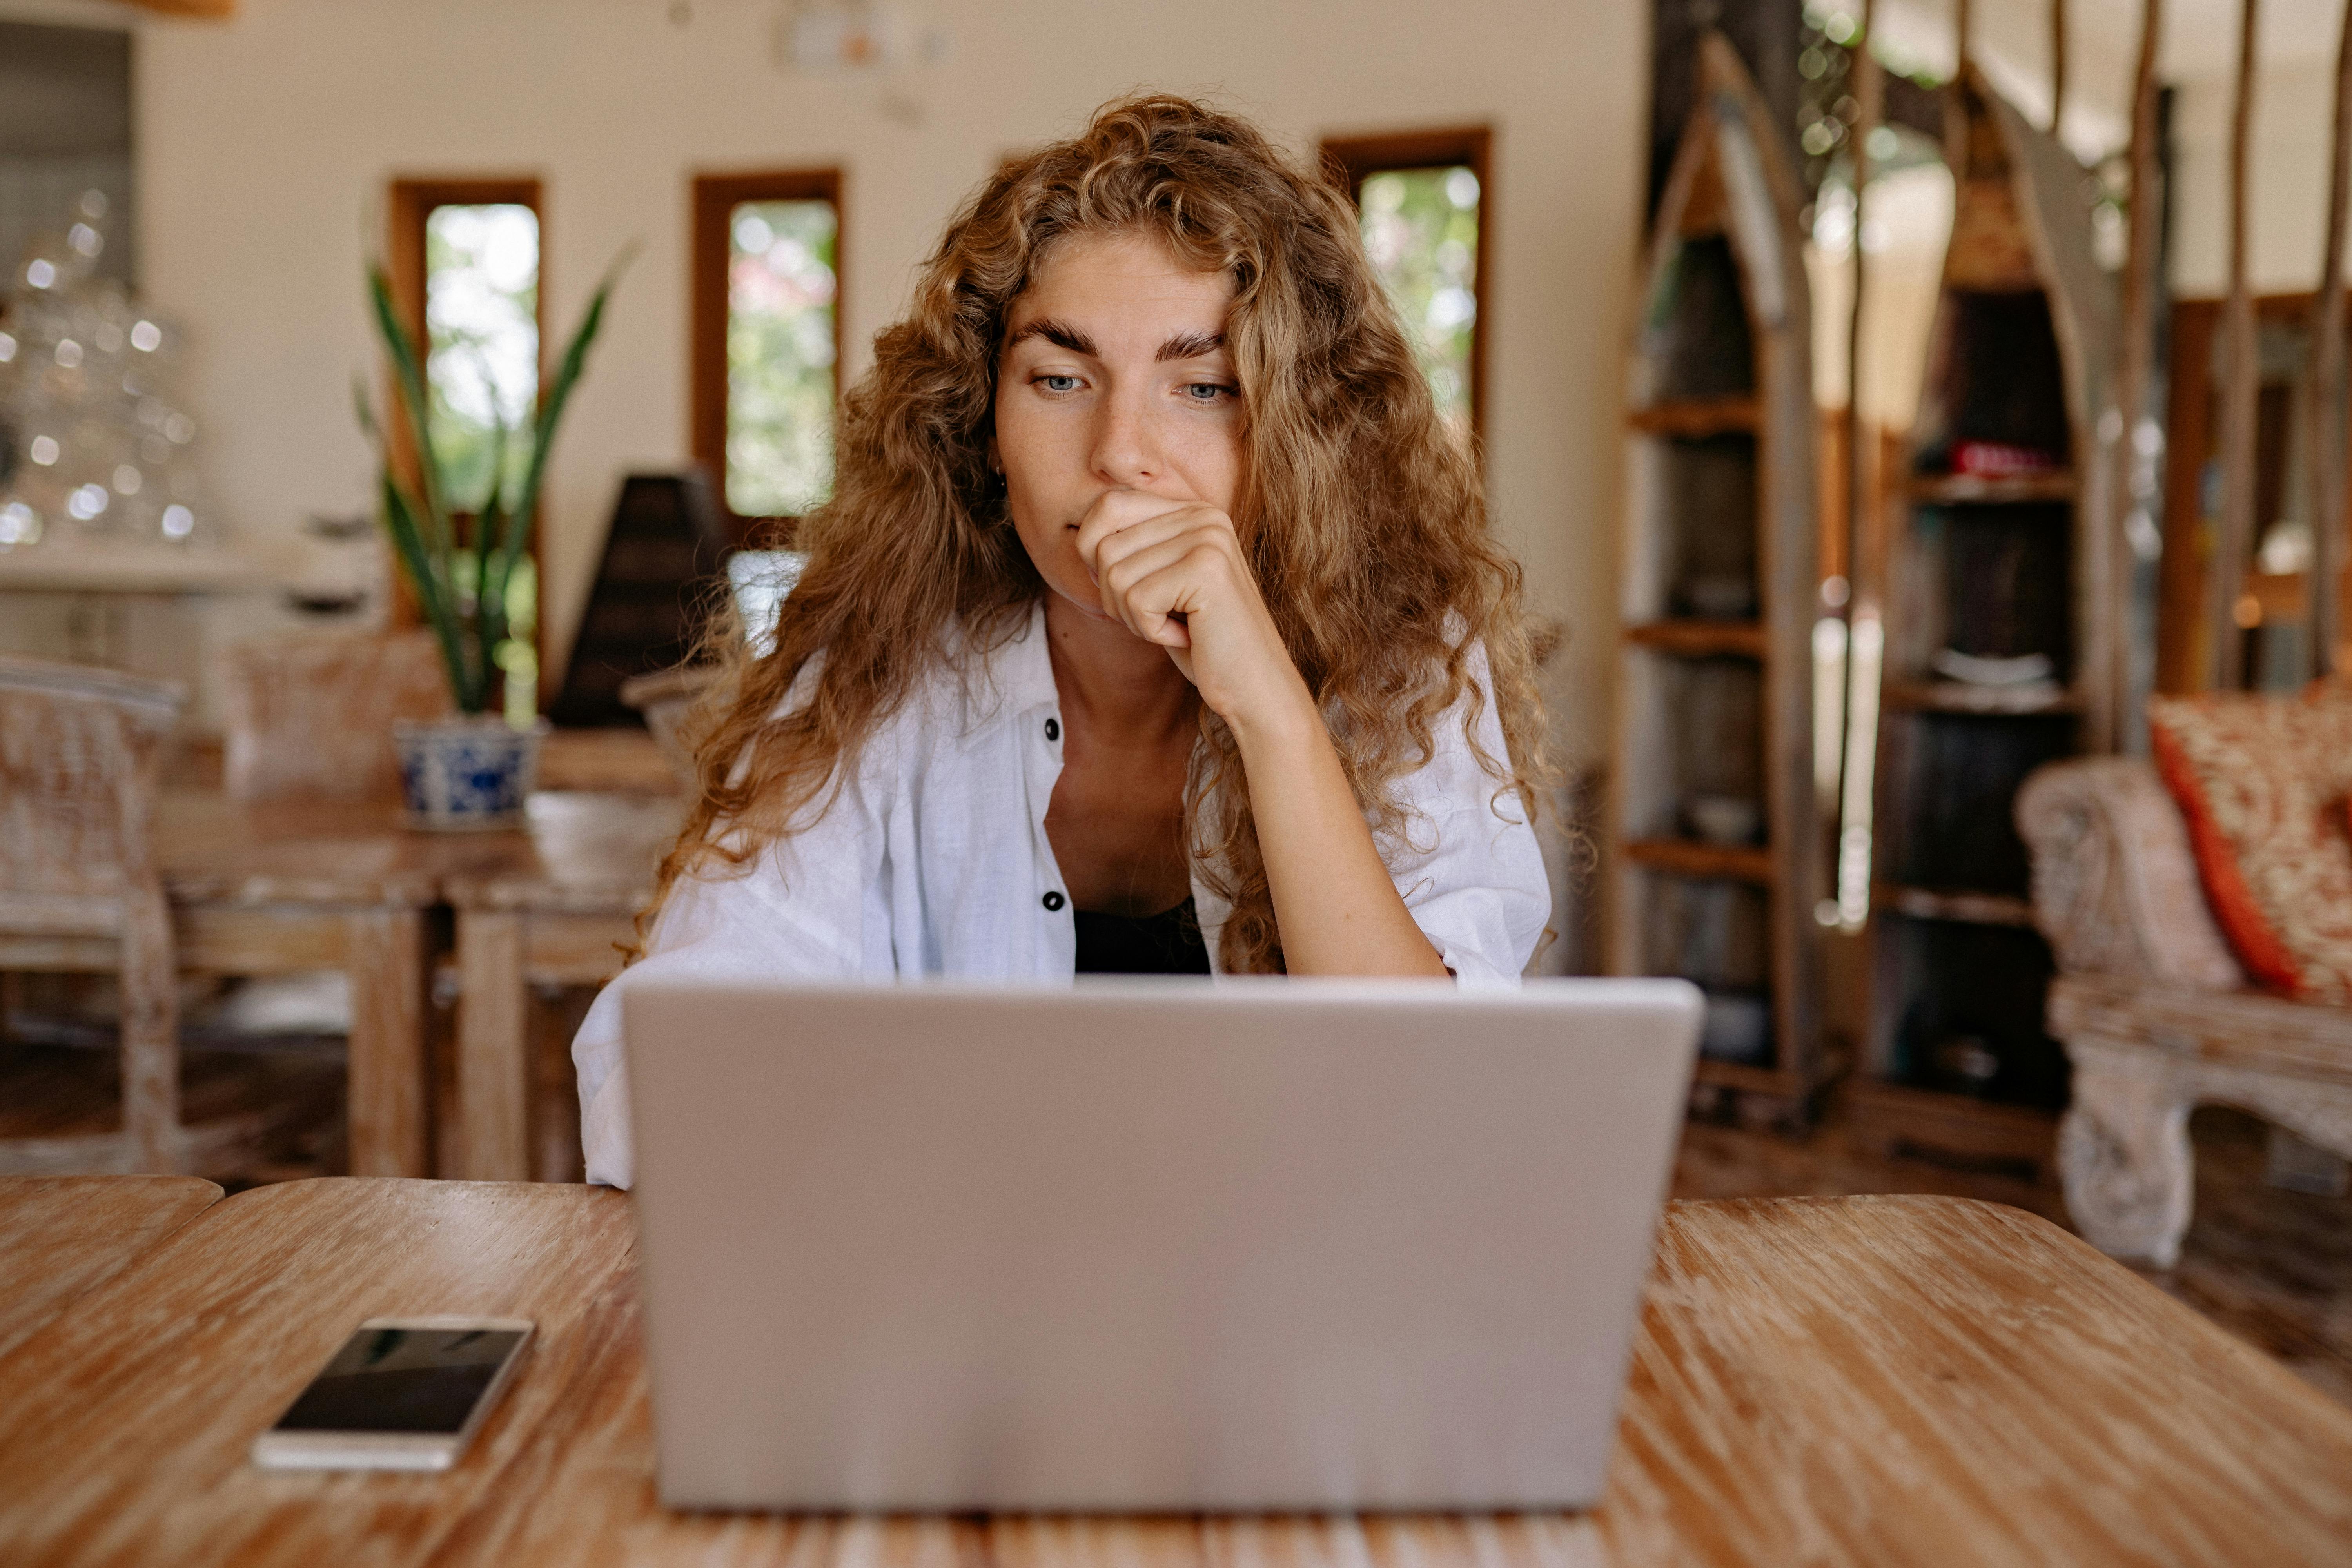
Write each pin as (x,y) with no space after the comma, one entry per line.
(1169,942)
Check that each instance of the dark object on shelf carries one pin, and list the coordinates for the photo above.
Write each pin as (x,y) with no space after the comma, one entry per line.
(1952,779)
(1995,460)
(1710,497)
(1994,378)
(2008,580)
(1972,1014)
(1698,324)
(1738,1027)
(664,552)
(1716,934)
(1716,708)
(1727,820)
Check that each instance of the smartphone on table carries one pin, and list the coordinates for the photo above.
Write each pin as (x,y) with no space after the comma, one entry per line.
(403,1393)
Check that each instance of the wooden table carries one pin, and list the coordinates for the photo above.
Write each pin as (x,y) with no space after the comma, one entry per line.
(1826,1380)
(290,887)
(556,910)
(62,1236)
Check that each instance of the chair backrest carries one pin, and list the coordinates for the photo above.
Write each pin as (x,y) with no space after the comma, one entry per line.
(311,713)
(81,751)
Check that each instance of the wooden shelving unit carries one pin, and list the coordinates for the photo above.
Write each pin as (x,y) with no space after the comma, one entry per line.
(1716,852)
(1992,567)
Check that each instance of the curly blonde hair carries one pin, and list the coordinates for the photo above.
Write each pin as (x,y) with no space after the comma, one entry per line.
(1361,513)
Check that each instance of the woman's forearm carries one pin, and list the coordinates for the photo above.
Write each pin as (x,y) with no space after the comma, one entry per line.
(1335,902)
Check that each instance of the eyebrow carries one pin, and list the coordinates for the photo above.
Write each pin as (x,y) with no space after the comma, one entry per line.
(1182,346)
(1190,345)
(1059,333)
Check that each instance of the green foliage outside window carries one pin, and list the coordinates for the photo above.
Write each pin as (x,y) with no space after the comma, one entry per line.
(1421,229)
(481,317)
(780,288)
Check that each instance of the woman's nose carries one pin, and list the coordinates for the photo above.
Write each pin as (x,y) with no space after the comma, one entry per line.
(1125,452)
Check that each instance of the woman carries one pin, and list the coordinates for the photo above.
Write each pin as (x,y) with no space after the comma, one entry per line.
(1154,624)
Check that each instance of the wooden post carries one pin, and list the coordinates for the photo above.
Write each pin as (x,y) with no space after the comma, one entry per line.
(2328,388)
(2240,390)
(151,1034)
(2135,486)
(384,956)
(2057,65)
(493,1047)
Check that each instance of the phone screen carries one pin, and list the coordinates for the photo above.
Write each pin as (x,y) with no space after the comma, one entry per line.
(402,1380)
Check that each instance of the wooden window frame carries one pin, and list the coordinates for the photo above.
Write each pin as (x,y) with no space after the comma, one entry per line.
(1349,160)
(411,202)
(714,200)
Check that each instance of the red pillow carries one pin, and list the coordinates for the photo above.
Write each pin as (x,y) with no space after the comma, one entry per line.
(2263,781)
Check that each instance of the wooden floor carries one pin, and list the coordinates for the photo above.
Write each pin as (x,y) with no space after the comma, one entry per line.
(2272,1267)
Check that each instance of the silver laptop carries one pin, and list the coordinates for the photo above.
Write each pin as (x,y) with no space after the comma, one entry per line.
(1148,1246)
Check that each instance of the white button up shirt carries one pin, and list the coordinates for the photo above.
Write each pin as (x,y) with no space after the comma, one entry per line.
(933,860)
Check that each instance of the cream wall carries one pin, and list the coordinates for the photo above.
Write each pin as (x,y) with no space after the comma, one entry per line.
(264,144)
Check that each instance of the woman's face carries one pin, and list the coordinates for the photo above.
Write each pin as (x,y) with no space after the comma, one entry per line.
(1115,375)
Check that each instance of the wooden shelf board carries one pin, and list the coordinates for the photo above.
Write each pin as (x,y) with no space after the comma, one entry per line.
(1950,904)
(1980,490)
(2001,702)
(1695,417)
(1744,639)
(1688,858)
(1891,1119)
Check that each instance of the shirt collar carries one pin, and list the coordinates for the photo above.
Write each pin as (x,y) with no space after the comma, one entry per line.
(1023,667)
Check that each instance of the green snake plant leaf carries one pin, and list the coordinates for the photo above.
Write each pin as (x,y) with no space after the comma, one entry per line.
(432,591)
(489,531)
(415,404)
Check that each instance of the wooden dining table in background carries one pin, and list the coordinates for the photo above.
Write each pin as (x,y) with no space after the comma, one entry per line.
(295,886)
(1828,1381)
(289,886)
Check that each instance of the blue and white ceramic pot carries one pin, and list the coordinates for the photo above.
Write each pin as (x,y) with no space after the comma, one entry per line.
(468,774)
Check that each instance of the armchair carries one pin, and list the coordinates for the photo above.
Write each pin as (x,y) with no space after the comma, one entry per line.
(2154,1011)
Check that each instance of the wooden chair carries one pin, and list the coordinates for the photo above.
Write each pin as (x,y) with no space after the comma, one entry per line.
(311,714)
(80,750)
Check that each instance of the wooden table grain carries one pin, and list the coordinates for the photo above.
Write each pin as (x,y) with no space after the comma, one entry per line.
(1837,1380)
(63,1236)
(555,911)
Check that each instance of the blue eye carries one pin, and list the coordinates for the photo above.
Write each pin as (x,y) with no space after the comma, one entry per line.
(1058,383)
(1213,390)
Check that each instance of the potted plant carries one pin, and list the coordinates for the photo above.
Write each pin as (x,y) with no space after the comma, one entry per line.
(459,556)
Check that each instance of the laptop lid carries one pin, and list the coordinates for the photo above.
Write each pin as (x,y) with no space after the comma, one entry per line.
(1147,1245)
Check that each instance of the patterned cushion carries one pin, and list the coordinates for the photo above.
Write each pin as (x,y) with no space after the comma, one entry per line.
(2262,783)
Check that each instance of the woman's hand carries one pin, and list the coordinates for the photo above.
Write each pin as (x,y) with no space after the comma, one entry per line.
(1173,573)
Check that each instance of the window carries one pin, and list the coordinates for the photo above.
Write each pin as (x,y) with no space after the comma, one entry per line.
(1424,202)
(767,341)
(465,265)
